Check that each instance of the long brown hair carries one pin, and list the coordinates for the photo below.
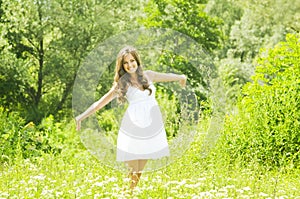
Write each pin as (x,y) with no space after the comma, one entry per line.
(122,78)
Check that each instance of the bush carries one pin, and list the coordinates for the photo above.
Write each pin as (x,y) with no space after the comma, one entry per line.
(18,139)
(267,125)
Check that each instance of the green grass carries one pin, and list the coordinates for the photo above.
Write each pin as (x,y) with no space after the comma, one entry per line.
(76,174)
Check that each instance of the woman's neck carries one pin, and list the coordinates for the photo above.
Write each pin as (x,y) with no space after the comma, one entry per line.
(134,77)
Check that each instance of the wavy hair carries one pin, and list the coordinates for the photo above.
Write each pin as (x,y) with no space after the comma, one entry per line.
(122,78)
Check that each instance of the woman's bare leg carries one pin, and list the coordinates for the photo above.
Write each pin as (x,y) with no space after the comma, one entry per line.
(136,167)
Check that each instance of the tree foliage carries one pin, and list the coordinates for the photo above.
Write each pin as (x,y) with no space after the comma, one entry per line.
(263,24)
(187,17)
(229,12)
(248,26)
(44,44)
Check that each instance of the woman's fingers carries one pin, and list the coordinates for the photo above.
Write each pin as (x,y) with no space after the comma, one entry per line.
(183,81)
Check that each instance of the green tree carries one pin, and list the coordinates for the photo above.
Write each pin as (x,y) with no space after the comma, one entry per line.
(188,18)
(248,26)
(47,40)
(263,24)
(229,12)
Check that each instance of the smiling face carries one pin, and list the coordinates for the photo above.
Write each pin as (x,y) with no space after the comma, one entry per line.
(129,71)
(130,65)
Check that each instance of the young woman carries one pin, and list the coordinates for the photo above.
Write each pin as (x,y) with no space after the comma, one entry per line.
(142,135)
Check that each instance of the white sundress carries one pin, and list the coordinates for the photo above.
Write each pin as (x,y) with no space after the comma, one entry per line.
(142,134)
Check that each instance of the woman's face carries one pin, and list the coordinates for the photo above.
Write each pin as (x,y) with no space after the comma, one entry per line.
(130,64)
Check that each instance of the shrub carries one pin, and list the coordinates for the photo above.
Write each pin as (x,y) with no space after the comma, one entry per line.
(18,139)
(266,127)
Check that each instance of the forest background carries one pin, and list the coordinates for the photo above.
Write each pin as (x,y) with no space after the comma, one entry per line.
(252,151)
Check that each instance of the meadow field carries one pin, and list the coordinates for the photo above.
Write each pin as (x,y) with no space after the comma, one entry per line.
(75,173)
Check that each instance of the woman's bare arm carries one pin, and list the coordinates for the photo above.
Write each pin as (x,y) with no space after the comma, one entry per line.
(165,77)
(108,97)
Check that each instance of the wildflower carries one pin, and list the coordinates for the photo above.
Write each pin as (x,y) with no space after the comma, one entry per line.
(213,191)
(246,188)
(112,179)
(39,177)
(219,195)
(229,187)
(263,194)
(193,185)
(283,197)
(58,194)
(170,182)
(99,184)
(47,192)
(223,189)
(201,179)
(182,182)
(205,194)
(126,180)
(4,194)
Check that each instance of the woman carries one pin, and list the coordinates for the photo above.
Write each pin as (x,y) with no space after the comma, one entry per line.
(142,135)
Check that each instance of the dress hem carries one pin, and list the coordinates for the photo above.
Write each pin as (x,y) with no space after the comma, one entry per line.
(123,156)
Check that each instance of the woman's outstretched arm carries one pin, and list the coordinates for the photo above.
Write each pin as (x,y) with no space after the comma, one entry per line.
(108,97)
(165,77)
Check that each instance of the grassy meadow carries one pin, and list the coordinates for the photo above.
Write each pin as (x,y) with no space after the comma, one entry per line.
(75,173)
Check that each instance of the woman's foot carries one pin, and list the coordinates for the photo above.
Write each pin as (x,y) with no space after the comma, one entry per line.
(135,178)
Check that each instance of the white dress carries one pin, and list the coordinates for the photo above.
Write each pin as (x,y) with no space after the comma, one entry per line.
(142,134)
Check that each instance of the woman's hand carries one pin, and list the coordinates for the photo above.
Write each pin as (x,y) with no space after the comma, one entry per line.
(182,81)
(78,123)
